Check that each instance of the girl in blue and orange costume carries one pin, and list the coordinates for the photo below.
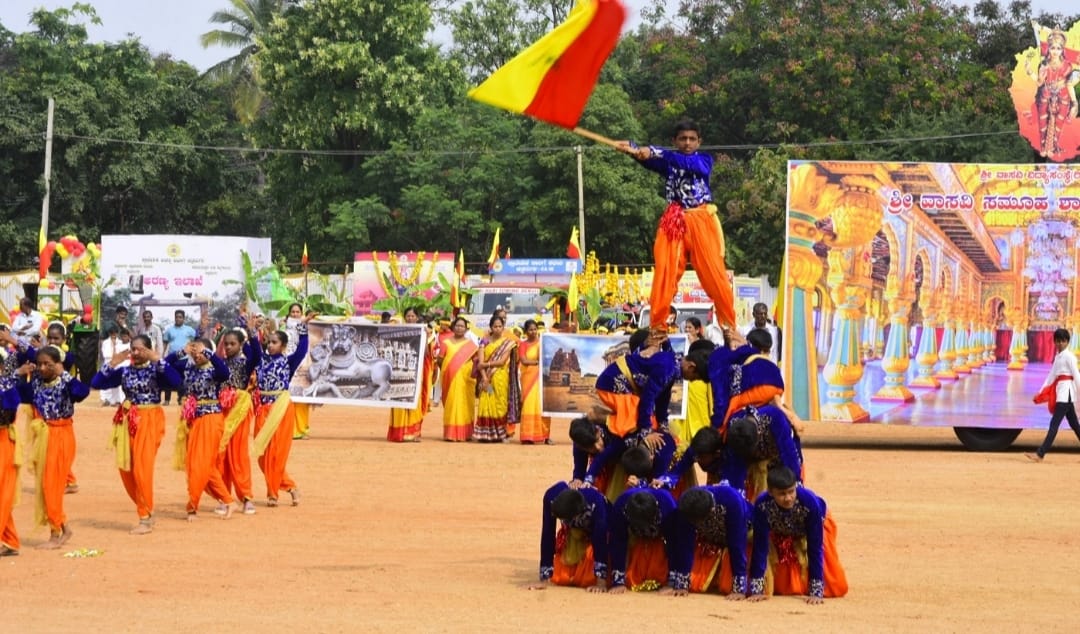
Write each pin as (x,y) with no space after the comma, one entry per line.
(56,336)
(577,553)
(234,459)
(644,531)
(10,461)
(202,425)
(757,428)
(714,539)
(53,393)
(274,416)
(795,541)
(139,423)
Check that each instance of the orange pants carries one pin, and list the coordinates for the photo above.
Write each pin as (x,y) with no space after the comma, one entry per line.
(789,578)
(235,462)
(58,459)
(580,574)
(646,561)
(9,480)
(711,569)
(703,244)
(204,436)
(272,462)
(139,482)
(624,418)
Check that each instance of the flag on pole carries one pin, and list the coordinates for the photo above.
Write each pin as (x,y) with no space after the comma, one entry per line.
(572,296)
(552,79)
(507,256)
(459,279)
(303,258)
(41,241)
(573,250)
(494,257)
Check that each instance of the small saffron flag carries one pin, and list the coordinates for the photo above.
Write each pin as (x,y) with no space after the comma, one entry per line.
(459,279)
(573,250)
(552,79)
(494,257)
(304,258)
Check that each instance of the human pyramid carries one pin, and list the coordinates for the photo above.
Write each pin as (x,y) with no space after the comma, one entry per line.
(631,517)
(243,391)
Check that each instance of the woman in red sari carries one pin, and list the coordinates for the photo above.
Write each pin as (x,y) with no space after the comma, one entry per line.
(535,427)
(455,359)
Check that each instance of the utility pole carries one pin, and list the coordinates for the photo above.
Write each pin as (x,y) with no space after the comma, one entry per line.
(48,171)
(580,201)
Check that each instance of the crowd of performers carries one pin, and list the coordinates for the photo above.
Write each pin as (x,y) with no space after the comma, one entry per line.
(230,396)
(632,516)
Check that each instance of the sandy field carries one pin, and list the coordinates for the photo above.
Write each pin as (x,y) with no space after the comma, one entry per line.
(440,537)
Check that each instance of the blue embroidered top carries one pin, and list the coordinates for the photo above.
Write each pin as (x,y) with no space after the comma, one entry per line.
(670,479)
(202,382)
(667,526)
(240,366)
(653,376)
(142,383)
(777,442)
(273,372)
(724,528)
(54,399)
(593,521)
(686,175)
(805,519)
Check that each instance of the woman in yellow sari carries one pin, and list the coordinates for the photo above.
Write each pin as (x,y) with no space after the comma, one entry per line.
(405,423)
(500,396)
(535,427)
(699,406)
(455,359)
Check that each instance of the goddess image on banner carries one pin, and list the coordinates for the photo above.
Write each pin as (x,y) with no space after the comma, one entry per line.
(1044,92)
(356,362)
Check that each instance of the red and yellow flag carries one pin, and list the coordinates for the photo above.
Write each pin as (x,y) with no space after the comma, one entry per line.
(303,258)
(552,79)
(459,279)
(573,250)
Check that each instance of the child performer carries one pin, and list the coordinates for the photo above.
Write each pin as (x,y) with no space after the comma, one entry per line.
(644,531)
(139,423)
(201,426)
(10,461)
(234,460)
(577,554)
(717,517)
(53,394)
(689,228)
(795,538)
(637,386)
(274,413)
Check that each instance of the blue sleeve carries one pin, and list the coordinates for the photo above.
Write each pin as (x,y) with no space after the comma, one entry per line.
(682,548)
(759,558)
(698,163)
(673,529)
(106,378)
(617,537)
(671,477)
(735,470)
(297,357)
(736,518)
(250,361)
(256,351)
(664,456)
(547,532)
(167,376)
(76,389)
(598,536)
(26,391)
(581,464)
(790,455)
(69,361)
(815,536)
(176,360)
(221,371)
(612,450)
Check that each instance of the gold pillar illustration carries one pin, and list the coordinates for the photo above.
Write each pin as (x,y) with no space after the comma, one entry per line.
(926,356)
(895,360)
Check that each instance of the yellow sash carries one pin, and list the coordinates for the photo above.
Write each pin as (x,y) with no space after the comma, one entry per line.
(273,420)
(179,456)
(120,441)
(624,367)
(240,410)
(39,447)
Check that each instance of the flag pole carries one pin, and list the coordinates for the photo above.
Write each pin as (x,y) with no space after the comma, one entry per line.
(599,138)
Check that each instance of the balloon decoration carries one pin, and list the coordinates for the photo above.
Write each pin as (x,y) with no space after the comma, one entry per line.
(69,246)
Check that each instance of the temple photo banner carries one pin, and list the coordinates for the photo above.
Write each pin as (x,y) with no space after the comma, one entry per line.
(570,363)
(356,362)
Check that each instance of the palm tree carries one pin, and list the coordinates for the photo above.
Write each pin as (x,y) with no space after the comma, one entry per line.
(247,20)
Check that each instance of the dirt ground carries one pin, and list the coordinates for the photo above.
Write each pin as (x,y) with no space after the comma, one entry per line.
(440,537)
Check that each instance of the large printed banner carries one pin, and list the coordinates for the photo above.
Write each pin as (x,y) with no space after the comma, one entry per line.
(378,273)
(356,362)
(928,293)
(570,363)
(179,267)
(1044,92)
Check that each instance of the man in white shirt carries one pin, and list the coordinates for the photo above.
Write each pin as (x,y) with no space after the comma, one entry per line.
(1063,385)
(152,330)
(761,322)
(28,322)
